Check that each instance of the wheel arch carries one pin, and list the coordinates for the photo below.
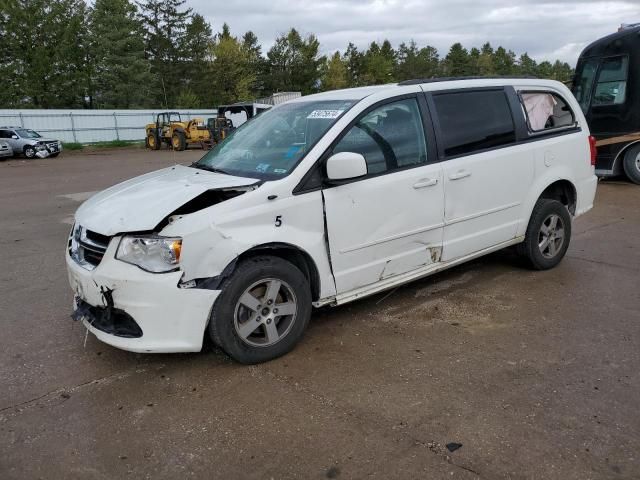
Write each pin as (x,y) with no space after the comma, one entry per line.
(286,251)
(291,253)
(554,188)
(618,162)
(564,191)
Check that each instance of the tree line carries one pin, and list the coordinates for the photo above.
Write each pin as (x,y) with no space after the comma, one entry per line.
(158,53)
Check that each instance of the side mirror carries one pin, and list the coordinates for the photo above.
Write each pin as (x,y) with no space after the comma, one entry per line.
(15,137)
(345,166)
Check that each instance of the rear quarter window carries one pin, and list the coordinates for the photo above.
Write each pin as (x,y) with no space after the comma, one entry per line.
(474,121)
(546,111)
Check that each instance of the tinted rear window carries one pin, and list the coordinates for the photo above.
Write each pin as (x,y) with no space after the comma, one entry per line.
(473,121)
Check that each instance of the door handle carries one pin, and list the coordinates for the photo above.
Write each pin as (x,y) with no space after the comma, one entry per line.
(460,174)
(426,182)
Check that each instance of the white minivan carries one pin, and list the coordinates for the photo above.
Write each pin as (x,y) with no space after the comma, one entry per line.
(327,199)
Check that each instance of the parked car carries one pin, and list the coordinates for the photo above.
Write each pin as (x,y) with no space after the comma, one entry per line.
(29,142)
(327,199)
(5,150)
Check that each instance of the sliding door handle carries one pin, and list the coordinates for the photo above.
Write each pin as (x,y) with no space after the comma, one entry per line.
(426,182)
(460,174)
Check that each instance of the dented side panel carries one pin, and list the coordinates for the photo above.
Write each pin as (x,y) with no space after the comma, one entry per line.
(251,220)
(384,226)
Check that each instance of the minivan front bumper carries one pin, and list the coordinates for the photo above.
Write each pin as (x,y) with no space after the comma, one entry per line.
(171,319)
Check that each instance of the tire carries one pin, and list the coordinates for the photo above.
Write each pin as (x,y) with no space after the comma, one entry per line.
(632,164)
(153,142)
(29,152)
(548,234)
(178,141)
(54,155)
(259,332)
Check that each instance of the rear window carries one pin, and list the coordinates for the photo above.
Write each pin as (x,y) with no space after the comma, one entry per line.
(474,121)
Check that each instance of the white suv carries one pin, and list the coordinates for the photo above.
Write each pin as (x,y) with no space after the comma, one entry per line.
(327,199)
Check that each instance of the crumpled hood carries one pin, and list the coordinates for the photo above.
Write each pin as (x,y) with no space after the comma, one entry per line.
(141,203)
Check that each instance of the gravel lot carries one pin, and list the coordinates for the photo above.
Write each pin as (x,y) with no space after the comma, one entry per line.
(536,374)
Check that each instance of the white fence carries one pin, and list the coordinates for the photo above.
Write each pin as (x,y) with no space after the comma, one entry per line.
(89,126)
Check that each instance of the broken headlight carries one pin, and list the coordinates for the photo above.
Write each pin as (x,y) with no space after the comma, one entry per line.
(150,252)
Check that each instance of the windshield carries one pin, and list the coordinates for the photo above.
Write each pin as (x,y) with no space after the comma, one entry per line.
(27,133)
(271,145)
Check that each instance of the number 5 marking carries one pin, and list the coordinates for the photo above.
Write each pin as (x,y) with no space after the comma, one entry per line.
(279,221)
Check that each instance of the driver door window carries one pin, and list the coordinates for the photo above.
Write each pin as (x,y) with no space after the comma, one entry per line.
(390,137)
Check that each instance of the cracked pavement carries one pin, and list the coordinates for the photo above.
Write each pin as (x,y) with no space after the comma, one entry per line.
(536,374)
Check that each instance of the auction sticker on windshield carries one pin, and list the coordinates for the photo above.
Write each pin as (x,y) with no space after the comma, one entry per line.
(329,114)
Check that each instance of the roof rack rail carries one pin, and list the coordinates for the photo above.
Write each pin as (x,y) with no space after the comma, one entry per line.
(416,81)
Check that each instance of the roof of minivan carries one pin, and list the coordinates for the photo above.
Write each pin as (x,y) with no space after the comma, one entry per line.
(431,84)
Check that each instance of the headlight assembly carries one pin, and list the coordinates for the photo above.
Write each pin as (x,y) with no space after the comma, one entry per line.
(150,252)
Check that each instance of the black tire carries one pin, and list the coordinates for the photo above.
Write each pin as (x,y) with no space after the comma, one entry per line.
(225,325)
(153,141)
(178,141)
(541,255)
(631,164)
(29,151)
(54,155)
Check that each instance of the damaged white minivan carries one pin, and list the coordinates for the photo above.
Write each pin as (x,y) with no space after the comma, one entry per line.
(327,199)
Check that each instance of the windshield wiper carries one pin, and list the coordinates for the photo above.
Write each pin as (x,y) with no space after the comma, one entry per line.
(209,168)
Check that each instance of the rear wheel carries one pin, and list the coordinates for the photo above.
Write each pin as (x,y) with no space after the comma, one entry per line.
(263,310)
(178,141)
(29,151)
(632,164)
(153,142)
(548,234)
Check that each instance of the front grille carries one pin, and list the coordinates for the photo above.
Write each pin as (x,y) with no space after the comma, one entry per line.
(52,146)
(86,247)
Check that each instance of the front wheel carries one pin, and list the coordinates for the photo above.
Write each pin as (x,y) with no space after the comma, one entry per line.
(263,310)
(153,142)
(632,164)
(178,141)
(29,152)
(548,234)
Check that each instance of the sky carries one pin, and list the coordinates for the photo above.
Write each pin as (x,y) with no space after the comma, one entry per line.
(546,30)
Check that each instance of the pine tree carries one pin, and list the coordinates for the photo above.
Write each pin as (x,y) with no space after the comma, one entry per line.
(165,25)
(294,63)
(335,73)
(44,55)
(121,71)
(416,63)
(379,64)
(196,91)
(526,65)
(234,79)
(504,61)
(456,63)
(353,60)
(257,65)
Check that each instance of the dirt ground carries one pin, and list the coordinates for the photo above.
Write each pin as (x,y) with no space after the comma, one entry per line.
(536,374)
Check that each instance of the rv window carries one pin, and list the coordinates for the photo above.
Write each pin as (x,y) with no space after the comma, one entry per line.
(611,88)
(584,84)
(546,111)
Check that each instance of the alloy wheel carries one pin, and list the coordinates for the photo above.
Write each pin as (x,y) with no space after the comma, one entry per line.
(551,236)
(265,312)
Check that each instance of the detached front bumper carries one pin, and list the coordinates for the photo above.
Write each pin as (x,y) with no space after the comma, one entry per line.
(170,319)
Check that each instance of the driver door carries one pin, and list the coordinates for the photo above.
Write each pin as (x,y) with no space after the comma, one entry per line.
(391,221)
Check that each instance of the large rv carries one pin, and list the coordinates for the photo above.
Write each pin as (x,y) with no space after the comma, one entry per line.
(607,86)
